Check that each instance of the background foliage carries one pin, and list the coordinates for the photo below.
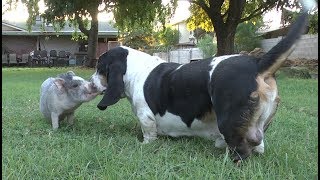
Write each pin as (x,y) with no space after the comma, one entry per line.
(207,46)
(247,37)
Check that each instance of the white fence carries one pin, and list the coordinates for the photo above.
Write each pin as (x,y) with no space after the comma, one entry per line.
(182,56)
(306,47)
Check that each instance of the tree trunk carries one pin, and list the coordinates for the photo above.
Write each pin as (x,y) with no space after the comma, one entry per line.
(225,25)
(225,41)
(92,43)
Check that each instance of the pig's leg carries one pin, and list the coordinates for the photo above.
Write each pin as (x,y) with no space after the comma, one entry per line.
(70,118)
(55,121)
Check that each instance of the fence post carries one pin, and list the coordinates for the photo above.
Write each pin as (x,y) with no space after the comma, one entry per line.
(168,54)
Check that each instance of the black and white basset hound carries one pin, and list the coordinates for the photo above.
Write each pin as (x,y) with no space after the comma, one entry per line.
(230,99)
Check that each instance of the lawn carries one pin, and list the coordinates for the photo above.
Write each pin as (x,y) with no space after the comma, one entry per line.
(106,144)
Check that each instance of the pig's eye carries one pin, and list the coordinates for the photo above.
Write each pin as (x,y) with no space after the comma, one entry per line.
(75,85)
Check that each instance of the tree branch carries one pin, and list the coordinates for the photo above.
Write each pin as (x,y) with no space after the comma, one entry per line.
(215,13)
(235,11)
(106,8)
(215,5)
(81,26)
(202,4)
(225,14)
(260,10)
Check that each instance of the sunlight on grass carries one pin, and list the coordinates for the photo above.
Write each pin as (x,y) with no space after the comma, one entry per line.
(105,144)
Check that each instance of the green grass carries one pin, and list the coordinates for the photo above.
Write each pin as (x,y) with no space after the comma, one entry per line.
(105,144)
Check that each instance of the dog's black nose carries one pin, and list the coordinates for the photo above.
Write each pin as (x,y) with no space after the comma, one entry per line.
(103,92)
(102,107)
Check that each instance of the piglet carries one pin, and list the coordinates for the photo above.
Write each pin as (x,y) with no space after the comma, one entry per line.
(61,96)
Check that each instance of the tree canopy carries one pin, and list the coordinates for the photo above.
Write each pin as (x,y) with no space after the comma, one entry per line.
(289,17)
(223,16)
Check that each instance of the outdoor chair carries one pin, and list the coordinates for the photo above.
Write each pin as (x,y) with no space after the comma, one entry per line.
(80,59)
(43,60)
(72,60)
(35,58)
(24,59)
(62,59)
(68,54)
(53,56)
(13,59)
(5,59)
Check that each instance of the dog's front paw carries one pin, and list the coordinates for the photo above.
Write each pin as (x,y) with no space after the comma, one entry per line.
(259,149)
(55,127)
(220,143)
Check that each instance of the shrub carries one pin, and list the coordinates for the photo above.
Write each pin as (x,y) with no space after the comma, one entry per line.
(246,38)
(207,46)
(169,37)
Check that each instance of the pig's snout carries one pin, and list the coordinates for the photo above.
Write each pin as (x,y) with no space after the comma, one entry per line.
(99,82)
(94,88)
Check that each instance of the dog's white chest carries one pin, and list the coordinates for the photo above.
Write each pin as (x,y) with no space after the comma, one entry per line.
(172,125)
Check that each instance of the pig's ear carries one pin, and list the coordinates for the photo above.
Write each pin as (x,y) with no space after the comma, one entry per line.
(115,88)
(71,73)
(59,82)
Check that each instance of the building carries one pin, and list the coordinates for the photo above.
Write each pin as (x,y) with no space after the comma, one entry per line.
(17,39)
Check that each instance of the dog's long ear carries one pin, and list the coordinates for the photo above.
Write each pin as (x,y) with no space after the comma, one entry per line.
(115,88)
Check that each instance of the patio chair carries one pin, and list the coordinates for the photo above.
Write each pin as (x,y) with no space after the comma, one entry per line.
(68,54)
(53,56)
(5,60)
(62,59)
(72,60)
(43,60)
(35,58)
(13,59)
(24,59)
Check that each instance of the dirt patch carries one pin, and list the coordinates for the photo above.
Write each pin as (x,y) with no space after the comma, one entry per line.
(294,72)
(311,64)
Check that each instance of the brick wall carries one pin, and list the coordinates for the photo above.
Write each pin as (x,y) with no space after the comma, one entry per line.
(306,47)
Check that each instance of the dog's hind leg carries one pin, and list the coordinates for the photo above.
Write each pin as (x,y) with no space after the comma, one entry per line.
(148,127)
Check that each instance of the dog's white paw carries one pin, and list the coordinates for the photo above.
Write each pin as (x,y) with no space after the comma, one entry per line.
(220,143)
(259,149)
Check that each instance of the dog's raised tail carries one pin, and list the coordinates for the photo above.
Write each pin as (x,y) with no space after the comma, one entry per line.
(273,59)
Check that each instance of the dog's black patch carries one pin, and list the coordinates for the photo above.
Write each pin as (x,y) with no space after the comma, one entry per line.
(183,91)
(232,82)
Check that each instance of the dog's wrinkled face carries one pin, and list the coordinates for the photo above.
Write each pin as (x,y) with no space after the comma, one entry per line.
(244,129)
(99,78)
(108,77)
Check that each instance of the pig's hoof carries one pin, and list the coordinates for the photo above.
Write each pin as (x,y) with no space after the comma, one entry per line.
(55,129)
